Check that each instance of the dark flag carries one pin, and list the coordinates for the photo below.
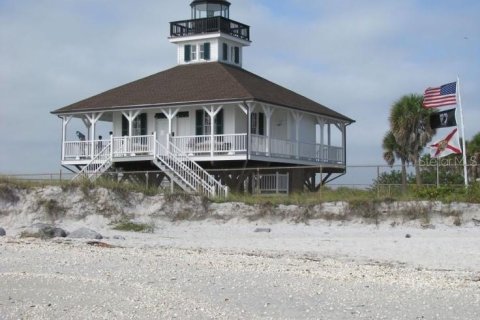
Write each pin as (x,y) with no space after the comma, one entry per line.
(443,119)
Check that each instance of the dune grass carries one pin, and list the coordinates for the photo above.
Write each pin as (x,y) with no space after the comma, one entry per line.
(446,194)
(134,227)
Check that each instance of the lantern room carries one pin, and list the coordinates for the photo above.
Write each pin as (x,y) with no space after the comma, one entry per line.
(210,8)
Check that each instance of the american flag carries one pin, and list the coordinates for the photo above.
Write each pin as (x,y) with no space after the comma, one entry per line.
(440,96)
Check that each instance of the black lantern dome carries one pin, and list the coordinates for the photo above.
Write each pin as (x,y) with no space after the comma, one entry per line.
(210,8)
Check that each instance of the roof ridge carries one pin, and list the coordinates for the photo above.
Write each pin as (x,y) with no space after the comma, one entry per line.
(225,67)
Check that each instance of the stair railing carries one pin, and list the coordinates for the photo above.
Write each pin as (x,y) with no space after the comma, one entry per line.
(189,171)
(100,162)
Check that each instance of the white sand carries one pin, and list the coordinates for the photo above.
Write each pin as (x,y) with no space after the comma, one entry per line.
(211,270)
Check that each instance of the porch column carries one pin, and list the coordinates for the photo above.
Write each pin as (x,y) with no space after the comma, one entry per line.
(250,111)
(329,134)
(342,128)
(297,116)
(65,121)
(243,144)
(212,112)
(268,113)
(93,118)
(130,116)
(170,114)
(321,123)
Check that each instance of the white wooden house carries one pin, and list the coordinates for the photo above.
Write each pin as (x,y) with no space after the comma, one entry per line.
(207,113)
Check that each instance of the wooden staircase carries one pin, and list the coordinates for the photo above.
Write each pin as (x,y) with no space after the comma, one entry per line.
(177,165)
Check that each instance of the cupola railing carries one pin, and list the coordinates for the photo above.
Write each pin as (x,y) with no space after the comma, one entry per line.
(207,25)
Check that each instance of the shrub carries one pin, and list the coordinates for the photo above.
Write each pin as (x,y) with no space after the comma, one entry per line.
(134,227)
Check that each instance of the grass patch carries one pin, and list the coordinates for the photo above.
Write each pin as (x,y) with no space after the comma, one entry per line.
(134,227)
(445,194)
(8,193)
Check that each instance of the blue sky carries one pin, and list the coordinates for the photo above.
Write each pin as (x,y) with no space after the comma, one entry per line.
(356,57)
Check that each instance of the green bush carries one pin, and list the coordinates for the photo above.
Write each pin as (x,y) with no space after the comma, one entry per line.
(134,227)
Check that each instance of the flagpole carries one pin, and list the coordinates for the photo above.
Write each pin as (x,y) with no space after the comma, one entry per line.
(465,172)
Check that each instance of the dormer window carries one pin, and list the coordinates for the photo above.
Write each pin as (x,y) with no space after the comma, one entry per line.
(205,51)
(225,52)
(197,52)
(194,53)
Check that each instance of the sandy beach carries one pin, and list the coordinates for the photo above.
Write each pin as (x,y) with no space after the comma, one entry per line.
(212,270)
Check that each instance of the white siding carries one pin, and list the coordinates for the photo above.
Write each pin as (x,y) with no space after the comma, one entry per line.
(117,124)
(216,50)
(241,123)
(307,129)
(278,124)
(213,50)
(229,120)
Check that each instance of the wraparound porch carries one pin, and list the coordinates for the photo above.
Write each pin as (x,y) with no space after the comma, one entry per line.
(205,148)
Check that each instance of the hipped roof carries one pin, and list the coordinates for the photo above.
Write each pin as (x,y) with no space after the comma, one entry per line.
(200,83)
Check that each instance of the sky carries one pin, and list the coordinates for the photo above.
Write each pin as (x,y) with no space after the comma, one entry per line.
(356,57)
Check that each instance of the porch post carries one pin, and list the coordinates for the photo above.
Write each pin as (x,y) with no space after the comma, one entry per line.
(342,128)
(329,137)
(251,109)
(111,146)
(154,143)
(321,123)
(170,114)
(131,115)
(65,121)
(93,118)
(212,112)
(297,116)
(244,144)
(268,113)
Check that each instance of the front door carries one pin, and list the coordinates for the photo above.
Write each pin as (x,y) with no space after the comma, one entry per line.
(161,127)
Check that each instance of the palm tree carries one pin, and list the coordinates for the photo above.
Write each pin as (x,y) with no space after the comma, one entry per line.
(473,151)
(392,151)
(410,126)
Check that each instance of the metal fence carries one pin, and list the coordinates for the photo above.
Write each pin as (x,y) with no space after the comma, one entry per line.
(381,178)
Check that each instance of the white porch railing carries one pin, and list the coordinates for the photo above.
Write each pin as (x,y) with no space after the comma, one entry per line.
(133,146)
(77,150)
(204,146)
(224,144)
(293,150)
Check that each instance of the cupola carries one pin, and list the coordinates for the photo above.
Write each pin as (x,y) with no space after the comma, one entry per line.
(210,35)
(208,9)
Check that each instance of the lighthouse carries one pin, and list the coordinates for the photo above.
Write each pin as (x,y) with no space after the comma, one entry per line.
(207,125)
(210,35)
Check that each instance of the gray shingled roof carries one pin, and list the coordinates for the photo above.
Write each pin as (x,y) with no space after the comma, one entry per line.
(198,83)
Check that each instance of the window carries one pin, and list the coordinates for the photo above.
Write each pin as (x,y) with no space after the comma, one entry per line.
(188,52)
(139,125)
(203,124)
(225,52)
(194,53)
(235,55)
(257,123)
(205,51)
(183,114)
(202,51)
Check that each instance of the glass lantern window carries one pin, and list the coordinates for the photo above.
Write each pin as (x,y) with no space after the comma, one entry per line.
(207,10)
